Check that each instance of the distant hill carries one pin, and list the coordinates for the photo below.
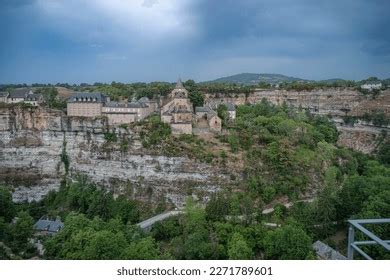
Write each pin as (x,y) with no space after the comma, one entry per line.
(254,79)
(331,81)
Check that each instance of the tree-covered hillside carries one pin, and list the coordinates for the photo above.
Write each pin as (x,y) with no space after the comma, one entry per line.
(254,79)
(285,154)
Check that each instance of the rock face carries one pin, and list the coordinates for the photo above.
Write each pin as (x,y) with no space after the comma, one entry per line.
(333,102)
(329,101)
(33,140)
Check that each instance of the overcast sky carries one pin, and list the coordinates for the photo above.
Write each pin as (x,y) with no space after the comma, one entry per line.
(147,40)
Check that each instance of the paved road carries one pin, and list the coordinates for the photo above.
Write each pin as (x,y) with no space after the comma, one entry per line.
(147,224)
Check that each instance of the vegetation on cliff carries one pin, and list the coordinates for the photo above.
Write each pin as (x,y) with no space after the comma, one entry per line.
(286,154)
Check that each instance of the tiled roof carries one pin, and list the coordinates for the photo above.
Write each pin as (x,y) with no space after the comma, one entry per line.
(126,105)
(19,93)
(33,97)
(87,97)
(202,109)
(45,224)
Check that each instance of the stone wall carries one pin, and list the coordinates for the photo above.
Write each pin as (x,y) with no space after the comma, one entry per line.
(181,128)
(118,118)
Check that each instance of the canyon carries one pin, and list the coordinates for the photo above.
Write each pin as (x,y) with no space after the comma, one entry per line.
(34,143)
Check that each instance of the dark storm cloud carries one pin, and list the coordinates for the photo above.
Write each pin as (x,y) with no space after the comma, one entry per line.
(315,23)
(201,39)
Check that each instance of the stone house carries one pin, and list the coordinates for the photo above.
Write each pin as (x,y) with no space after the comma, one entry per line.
(206,118)
(120,113)
(24,95)
(231,108)
(97,104)
(85,104)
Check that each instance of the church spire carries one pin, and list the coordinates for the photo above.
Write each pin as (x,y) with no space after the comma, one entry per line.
(179,84)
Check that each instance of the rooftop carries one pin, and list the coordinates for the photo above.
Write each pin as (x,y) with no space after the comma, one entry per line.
(46,224)
(87,97)
(202,109)
(126,105)
(20,93)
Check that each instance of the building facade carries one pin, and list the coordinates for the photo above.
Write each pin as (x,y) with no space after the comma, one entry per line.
(96,104)
(22,95)
(85,104)
(177,111)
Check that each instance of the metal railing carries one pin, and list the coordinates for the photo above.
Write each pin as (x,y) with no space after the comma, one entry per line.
(375,240)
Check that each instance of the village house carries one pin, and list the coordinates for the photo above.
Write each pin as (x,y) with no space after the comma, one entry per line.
(24,95)
(207,119)
(47,226)
(231,108)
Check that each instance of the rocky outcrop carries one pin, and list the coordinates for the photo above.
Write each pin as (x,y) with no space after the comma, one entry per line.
(33,140)
(328,101)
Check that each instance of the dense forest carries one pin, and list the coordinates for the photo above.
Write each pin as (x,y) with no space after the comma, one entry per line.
(286,153)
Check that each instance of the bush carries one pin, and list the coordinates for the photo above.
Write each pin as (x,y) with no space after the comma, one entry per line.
(110,137)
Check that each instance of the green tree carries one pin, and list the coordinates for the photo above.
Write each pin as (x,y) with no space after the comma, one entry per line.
(289,242)
(7,209)
(21,231)
(238,248)
(144,249)
(217,208)
(223,114)
(105,245)
(196,98)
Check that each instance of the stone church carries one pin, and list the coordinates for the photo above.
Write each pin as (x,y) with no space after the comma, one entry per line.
(177,110)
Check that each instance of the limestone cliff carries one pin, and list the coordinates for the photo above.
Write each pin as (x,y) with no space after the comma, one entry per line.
(32,141)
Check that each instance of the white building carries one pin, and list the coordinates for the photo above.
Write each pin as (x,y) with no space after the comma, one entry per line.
(372,85)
